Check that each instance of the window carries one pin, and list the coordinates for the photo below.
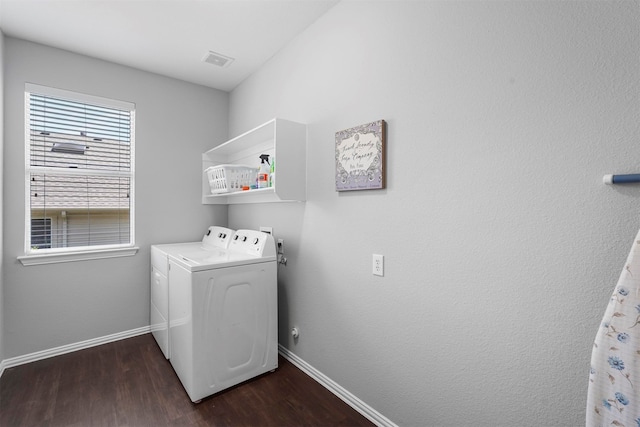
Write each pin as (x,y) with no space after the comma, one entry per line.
(79,172)
(41,233)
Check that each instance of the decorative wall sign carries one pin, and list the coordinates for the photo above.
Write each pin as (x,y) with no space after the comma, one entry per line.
(360,161)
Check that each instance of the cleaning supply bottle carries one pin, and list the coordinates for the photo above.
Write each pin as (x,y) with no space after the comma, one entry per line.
(263,173)
(272,175)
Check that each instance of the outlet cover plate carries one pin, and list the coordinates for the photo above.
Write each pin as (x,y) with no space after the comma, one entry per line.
(378,265)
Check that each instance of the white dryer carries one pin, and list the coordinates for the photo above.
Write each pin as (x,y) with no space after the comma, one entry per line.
(215,240)
(224,314)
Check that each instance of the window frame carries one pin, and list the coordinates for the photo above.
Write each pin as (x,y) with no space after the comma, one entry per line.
(76,253)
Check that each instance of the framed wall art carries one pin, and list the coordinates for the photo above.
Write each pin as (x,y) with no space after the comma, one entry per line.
(360,157)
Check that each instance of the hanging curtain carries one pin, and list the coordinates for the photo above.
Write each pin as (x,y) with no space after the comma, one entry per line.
(614,382)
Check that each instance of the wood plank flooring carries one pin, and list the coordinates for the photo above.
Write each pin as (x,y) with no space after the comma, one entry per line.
(130,383)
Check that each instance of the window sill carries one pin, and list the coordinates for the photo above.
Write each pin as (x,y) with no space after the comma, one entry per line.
(54,258)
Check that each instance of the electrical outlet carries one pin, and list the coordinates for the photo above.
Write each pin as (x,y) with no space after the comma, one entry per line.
(280,246)
(378,265)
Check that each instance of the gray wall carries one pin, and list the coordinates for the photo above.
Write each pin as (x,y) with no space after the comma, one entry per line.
(502,246)
(54,305)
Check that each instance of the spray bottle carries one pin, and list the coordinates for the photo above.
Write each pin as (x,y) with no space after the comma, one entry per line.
(263,173)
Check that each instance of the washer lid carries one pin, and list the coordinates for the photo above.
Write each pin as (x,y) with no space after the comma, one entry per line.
(198,260)
(174,248)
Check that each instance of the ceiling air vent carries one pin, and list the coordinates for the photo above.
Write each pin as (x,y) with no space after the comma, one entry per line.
(217,59)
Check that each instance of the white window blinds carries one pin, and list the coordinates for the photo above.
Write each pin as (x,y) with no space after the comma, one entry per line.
(80,152)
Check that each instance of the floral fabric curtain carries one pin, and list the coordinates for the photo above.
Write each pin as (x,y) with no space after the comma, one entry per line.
(614,381)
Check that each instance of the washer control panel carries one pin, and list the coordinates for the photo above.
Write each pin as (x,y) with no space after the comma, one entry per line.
(218,237)
(253,242)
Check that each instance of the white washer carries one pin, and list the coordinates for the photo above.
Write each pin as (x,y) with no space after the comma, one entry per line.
(215,240)
(224,314)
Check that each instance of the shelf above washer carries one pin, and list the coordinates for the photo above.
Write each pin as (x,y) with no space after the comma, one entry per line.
(285,142)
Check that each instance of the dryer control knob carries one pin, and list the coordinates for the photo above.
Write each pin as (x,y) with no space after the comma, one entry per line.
(235,237)
(255,241)
(244,238)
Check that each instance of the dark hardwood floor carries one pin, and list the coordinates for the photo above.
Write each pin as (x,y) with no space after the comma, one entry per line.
(130,383)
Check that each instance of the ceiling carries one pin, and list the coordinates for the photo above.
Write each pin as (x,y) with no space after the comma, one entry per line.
(168,37)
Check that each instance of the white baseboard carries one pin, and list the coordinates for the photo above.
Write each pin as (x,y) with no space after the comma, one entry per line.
(57,351)
(335,388)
